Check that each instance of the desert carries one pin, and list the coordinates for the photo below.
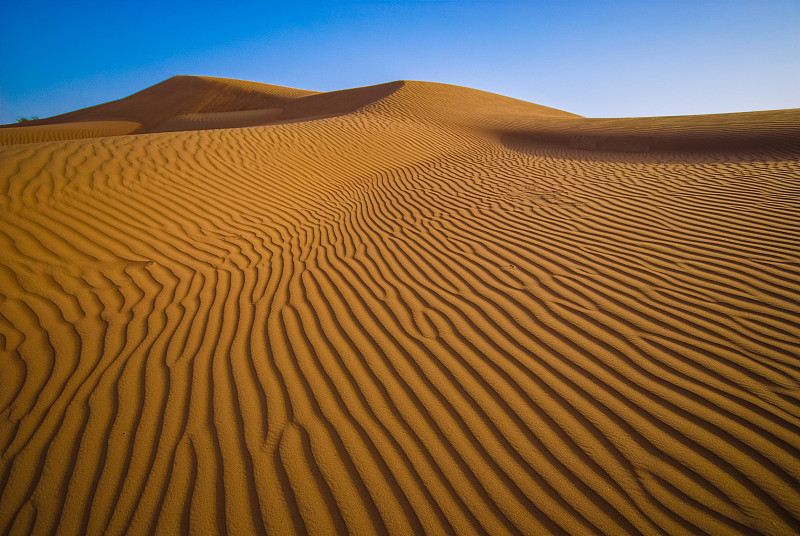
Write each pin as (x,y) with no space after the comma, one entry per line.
(228,307)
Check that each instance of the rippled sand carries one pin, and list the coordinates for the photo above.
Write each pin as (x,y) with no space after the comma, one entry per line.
(410,308)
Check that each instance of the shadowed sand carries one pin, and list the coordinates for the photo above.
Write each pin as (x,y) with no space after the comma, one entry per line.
(412,308)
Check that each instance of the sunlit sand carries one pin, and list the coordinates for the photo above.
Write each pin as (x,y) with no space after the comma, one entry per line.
(234,308)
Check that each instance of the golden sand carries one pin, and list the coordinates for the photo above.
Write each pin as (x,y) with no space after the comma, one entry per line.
(235,308)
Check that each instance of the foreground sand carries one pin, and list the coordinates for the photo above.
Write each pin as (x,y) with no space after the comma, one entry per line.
(411,308)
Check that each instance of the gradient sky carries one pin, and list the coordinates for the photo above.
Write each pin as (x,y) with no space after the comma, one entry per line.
(613,58)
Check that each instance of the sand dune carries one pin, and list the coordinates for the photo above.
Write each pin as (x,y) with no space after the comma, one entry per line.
(65,131)
(404,309)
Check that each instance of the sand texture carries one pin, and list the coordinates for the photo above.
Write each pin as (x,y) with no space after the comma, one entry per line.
(412,308)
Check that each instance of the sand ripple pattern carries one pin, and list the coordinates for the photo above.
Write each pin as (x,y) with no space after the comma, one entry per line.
(385,324)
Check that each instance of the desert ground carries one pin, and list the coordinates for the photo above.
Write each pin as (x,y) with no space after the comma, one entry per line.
(234,308)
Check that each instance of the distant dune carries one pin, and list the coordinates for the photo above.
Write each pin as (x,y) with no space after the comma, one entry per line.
(235,308)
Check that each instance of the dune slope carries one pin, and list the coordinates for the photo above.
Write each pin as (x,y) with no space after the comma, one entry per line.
(405,309)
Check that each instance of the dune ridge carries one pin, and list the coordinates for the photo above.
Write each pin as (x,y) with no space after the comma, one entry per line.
(410,308)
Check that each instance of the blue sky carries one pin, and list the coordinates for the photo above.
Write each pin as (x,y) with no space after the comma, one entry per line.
(598,58)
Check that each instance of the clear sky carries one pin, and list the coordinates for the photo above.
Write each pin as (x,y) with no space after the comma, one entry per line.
(598,58)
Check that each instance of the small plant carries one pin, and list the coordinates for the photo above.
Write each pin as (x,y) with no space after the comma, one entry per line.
(25,119)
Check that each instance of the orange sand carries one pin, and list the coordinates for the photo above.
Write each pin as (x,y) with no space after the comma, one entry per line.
(403,309)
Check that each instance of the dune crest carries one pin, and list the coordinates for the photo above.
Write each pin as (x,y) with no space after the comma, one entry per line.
(409,308)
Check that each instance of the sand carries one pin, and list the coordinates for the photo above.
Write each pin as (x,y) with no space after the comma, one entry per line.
(413,308)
